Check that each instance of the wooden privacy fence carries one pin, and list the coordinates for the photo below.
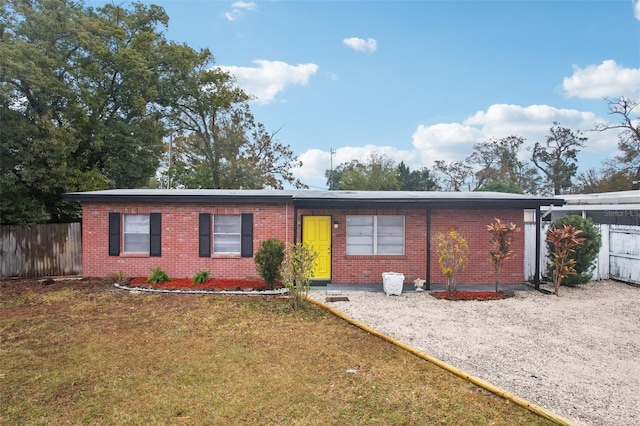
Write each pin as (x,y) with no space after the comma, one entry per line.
(619,256)
(41,250)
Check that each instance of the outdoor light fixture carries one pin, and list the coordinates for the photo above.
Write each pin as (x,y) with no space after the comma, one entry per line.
(335,224)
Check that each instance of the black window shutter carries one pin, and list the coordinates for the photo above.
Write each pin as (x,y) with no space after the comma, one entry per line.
(155,234)
(246,249)
(204,235)
(114,234)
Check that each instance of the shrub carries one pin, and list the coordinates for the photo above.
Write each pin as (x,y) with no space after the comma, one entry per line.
(268,260)
(563,242)
(501,239)
(158,276)
(297,271)
(584,254)
(453,250)
(200,277)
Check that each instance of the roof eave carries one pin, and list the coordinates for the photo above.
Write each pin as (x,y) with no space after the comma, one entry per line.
(163,198)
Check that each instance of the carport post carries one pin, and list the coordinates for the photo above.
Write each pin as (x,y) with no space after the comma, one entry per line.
(536,278)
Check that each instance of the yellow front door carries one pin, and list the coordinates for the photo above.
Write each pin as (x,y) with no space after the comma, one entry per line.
(316,232)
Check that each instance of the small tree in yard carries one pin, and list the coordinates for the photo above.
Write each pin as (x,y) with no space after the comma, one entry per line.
(453,250)
(297,271)
(584,254)
(268,260)
(502,237)
(562,241)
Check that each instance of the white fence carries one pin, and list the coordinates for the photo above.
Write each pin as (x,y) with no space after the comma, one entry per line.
(619,256)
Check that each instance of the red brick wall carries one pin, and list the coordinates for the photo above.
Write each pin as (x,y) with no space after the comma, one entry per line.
(179,239)
(473,226)
(180,242)
(368,269)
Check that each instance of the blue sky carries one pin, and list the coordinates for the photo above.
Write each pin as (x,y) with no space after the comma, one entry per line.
(420,81)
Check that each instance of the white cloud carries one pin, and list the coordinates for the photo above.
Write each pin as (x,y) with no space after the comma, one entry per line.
(360,44)
(636,9)
(444,141)
(605,80)
(454,141)
(238,9)
(270,77)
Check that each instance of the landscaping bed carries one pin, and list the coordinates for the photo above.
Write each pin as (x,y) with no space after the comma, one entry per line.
(213,284)
(472,295)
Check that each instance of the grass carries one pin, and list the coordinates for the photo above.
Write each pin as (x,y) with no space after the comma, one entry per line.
(81,353)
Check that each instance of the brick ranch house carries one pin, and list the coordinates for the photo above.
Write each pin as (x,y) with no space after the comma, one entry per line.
(357,234)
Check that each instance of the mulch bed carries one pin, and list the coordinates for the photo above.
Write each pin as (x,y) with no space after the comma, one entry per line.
(472,295)
(214,284)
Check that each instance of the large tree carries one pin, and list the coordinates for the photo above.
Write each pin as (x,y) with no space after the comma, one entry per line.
(221,145)
(415,180)
(454,176)
(610,177)
(557,156)
(377,173)
(627,165)
(500,166)
(79,93)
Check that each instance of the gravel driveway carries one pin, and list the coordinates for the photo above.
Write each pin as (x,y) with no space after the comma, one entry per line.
(577,355)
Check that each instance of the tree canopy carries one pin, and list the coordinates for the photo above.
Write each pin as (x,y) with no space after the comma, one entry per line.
(79,96)
(88,95)
(626,167)
(557,157)
(379,173)
(219,144)
(501,167)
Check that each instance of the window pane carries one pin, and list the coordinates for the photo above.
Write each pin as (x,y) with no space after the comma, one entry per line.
(390,245)
(226,244)
(226,233)
(136,243)
(227,224)
(389,250)
(391,225)
(359,250)
(136,223)
(390,235)
(360,235)
(136,233)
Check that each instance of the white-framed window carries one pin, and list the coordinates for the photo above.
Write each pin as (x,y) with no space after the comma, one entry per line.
(529,216)
(375,235)
(227,233)
(136,233)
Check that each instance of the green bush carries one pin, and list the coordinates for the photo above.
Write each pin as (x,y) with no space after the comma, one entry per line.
(297,272)
(268,259)
(585,254)
(158,276)
(200,277)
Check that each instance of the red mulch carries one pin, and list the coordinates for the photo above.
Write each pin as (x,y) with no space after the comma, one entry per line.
(472,295)
(213,284)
